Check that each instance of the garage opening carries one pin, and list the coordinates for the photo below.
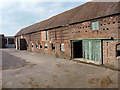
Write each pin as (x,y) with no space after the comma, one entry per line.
(77,49)
(23,44)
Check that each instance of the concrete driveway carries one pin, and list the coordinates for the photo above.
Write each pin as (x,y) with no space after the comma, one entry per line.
(45,71)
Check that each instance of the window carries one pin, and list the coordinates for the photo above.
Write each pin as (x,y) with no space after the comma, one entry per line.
(37,45)
(95,25)
(53,46)
(62,47)
(44,35)
(113,22)
(118,50)
(46,46)
(32,45)
(40,46)
(10,40)
(107,43)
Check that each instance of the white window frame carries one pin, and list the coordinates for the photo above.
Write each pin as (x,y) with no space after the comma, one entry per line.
(46,45)
(40,46)
(32,45)
(95,25)
(62,47)
(37,46)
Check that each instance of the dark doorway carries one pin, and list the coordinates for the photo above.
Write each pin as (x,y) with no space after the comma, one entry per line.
(77,49)
(118,53)
(23,44)
(118,50)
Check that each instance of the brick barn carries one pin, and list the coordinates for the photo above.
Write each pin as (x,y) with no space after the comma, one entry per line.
(89,33)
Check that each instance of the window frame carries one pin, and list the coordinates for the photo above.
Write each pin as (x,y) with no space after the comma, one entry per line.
(95,27)
(37,45)
(40,46)
(53,48)
(46,46)
(61,48)
(117,56)
(32,45)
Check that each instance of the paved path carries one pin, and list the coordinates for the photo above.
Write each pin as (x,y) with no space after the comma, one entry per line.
(10,61)
(45,71)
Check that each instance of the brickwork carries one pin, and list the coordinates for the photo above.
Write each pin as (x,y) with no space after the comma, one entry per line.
(108,29)
(109,53)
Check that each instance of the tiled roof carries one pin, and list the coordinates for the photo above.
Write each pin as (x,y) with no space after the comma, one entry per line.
(87,11)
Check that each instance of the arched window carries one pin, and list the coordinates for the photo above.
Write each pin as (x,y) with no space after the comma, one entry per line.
(62,47)
(40,46)
(53,46)
(36,45)
(46,46)
(118,50)
(32,45)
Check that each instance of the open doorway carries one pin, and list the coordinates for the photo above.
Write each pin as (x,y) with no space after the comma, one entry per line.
(77,49)
(118,50)
(23,44)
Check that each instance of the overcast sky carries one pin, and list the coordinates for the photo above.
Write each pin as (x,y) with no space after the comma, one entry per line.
(17,15)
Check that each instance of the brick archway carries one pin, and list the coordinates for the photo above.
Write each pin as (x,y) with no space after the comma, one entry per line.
(23,44)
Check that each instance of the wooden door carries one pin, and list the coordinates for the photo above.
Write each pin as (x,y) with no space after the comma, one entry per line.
(92,50)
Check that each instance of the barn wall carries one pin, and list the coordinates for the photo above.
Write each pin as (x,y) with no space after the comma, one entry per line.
(108,29)
(109,53)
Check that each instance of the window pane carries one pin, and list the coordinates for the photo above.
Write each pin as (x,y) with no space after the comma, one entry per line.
(53,46)
(46,46)
(37,45)
(40,46)
(32,45)
(62,47)
(95,25)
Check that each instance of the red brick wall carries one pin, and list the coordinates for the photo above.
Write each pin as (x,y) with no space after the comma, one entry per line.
(108,28)
(109,52)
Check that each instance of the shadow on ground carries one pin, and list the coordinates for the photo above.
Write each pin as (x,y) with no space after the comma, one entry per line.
(11,62)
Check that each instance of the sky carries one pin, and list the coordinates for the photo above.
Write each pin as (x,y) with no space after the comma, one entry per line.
(15,15)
